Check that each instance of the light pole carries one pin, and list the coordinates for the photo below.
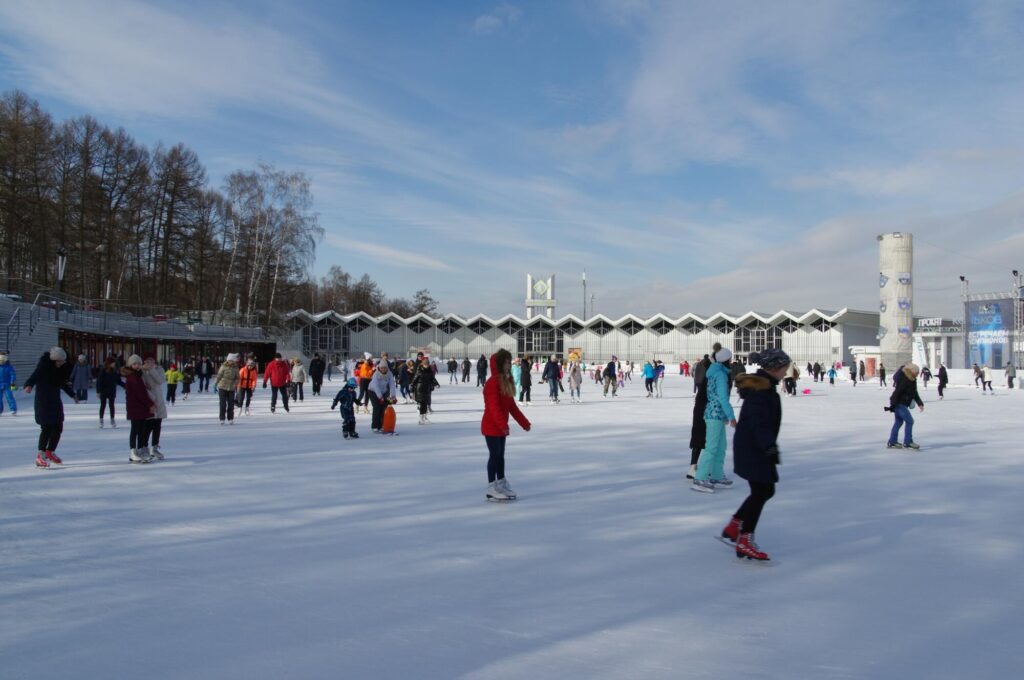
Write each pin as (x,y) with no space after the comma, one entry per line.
(965,289)
(1017,348)
(592,308)
(584,295)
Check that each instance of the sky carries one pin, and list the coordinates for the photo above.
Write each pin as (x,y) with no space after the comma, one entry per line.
(690,156)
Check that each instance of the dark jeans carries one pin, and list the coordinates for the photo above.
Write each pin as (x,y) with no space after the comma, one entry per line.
(82,395)
(172,392)
(377,419)
(902,415)
(524,392)
(227,404)
(317,384)
(104,400)
(297,393)
(496,459)
(553,389)
(481,379)
(424,402)
(155,425)
(204,383)
(186,388)
(1009,383)
(274,391)
(649,385)
(245,397)
(750,511)
(49,436)
(138,438)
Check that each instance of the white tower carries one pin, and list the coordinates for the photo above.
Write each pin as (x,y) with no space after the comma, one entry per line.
(896,301)
(540,294)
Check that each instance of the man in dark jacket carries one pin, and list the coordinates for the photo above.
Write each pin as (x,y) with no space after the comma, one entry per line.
(902,398)
(611,377)
(51,377)
(467,366)
(551,375)
(943,379)
(481,371)
(699,428)
(316,372)
(453,371)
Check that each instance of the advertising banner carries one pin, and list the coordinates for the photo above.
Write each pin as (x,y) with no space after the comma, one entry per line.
(989,332)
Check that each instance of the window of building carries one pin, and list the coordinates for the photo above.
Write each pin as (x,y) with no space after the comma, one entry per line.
(661,327)
(450,326)
(420,326)
(389,325)
(480,327)
(541,340)
(758,337)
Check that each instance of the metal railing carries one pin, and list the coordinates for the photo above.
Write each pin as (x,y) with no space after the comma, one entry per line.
(12,331)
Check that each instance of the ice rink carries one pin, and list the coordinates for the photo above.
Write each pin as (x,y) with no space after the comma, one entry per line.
(274,549)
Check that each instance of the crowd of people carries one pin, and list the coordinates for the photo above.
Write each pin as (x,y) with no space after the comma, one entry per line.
(374,385)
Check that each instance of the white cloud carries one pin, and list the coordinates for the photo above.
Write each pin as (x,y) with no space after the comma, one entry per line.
(502,16)
(387,256)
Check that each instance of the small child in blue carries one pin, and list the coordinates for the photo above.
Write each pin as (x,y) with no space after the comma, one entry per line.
(347,397)
(832,376)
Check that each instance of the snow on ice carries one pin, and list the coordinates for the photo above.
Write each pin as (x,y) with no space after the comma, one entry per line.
(275,549)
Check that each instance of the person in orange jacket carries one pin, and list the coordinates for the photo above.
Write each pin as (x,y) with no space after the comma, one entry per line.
(279,373)
(247,383)
(365,376)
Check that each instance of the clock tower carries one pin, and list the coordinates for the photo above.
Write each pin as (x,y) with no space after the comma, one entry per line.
(540,296)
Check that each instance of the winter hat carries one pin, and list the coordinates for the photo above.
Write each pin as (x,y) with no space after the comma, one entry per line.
(723,355)
(232,357)
(134,359)
(770,358)
(81,357)
(351,382)
(3,359)
(57,354)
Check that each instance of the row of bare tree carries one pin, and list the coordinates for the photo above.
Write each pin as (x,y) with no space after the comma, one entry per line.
(148,221)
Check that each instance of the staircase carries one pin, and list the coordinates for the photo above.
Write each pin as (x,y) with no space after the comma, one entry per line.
(25,335)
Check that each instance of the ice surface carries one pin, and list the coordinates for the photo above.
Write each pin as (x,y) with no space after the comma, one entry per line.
(275,549)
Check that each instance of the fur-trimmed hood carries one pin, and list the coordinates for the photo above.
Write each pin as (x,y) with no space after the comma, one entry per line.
(754,382)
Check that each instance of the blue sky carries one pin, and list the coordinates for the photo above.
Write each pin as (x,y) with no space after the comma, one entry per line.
(691,156)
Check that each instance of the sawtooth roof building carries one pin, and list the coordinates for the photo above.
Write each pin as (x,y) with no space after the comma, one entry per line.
(816,335)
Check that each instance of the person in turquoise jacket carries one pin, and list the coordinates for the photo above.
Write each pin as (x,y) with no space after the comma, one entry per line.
(8,379)
(649,379)
(711,466)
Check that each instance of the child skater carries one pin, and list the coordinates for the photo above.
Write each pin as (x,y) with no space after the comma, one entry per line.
(755,448)
(499,403)
(51,377)
(347,398)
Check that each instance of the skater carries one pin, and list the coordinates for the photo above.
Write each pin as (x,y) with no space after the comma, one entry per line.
(107,382)
(8,382)
(986,378)
(862,372)
(298,380)
(346,397)
(831,375)
(173,377)
(525,380)
(853,374)
(188,376)
(755,452)
(453,371)
(405,372)
(139,408)
(155,380)
(1011,373)
(81,376)
(365,371)
(659,379)
(422,386)
(686,368)
(699,429)
(277,373)
(575,376)
(481,371)
(551,375)
(943,379)
(382,392)
(718,412)
(227,383)
(610,375)
(881,375)
(205,372)
(649,379)
(978,376)
(51,377)
(499,404)
(926,375)
(247,376)
(818,372)
(792,375)
(467,366)
(902,398)
(316,373)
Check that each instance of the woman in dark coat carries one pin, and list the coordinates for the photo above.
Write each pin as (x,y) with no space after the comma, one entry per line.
(755,448)
(52,375)
(699,428)
(422,386)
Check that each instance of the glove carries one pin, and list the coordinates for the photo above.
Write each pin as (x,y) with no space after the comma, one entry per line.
(333,406)
(773,455)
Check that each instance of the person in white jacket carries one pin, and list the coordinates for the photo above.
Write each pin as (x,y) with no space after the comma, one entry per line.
(382,392)
(986,378)
(298,378)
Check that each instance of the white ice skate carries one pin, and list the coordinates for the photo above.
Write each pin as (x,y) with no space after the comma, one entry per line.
(135,456)
(702,486)
(101,424)
(495,493)
(154,453)
(503,485)
(113,425)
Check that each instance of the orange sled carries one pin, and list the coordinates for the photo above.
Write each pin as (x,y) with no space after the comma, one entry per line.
(388,427)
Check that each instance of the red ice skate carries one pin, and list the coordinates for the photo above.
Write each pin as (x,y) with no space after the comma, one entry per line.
(731,532)
(53,457)
(41,461)
(746,547)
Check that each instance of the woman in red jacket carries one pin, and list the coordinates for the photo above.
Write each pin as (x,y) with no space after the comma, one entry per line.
(499,403)
(140,408)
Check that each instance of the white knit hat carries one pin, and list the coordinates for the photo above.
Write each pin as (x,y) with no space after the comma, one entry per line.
(723,355)
(233,357)
(58,354)
(134,359)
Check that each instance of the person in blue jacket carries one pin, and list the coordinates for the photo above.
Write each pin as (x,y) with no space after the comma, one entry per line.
(718,412)
(347,398)
(81,375)
(8,378)
(51,377)
(755,453)
(551,375)
(649,379)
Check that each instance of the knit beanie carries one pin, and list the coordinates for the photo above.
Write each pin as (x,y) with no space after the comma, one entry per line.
(232,357)
(770,358)
(57,354)
(134,359)
(723,355)
(3,359)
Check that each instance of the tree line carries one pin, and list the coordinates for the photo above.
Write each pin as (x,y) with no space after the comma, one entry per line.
(148,221)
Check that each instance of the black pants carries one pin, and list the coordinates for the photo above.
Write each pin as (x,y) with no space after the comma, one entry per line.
(942,387)
(1009,383)
(465,376)
(496,459)
(245,397)
(317,384)
(49,436)
(424,402)
(273,397)
(649,384)
(155,425)
(297,393)
(104,400)
(172,392)
(204,383)
(186,389)
(750,512)
(790,384)
(377,419)
(481,379)
(138,438)
(363,398)
(227,404)
(524,392)
(881,381)
(82,395)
